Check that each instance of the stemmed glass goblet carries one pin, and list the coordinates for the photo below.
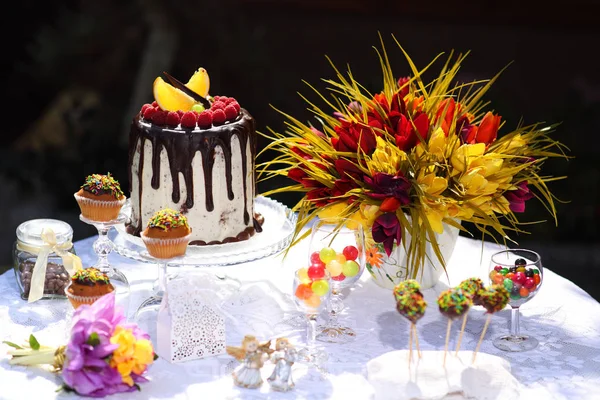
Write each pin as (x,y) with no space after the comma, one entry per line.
(339,250)
(521,273)
(310,296)
(103,247)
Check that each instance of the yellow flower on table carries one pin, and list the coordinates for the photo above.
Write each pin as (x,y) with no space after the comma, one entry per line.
(132,355)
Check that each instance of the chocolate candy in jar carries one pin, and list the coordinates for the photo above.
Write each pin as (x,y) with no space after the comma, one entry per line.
(44,244)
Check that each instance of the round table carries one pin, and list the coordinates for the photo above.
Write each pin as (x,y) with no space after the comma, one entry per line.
(564,318)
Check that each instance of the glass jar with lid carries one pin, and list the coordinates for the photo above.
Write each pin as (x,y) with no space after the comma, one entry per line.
(44,256)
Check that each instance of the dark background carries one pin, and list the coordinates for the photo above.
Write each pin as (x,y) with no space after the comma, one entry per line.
(77,72)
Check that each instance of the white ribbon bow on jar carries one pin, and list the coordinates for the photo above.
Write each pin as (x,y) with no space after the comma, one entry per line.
(71,262)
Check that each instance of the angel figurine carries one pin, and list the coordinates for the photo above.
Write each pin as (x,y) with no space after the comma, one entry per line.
(284,357)
(252,354)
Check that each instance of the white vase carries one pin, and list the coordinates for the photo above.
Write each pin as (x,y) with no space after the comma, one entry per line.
(394,268)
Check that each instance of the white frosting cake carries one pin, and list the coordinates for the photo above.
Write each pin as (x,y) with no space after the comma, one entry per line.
(208,174)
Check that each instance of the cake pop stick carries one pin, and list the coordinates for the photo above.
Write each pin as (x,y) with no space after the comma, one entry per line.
(453,303)
(493,299)
(447,339)
(462,330)
(471,287)
(410,340)
(414,326)
(485,326)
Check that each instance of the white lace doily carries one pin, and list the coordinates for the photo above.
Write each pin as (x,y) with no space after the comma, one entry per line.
(564,318)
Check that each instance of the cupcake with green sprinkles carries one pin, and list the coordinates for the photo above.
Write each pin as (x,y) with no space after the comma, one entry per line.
(100,198)
(167,234)
(87,286)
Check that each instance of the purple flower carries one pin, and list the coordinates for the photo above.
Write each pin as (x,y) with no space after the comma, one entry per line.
(385,185)
(517,198)
(386,229)
(86,369)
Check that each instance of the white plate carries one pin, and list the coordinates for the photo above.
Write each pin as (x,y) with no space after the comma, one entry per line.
(275,237)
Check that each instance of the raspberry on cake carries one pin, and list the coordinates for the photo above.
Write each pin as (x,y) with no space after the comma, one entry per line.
(87,286)
(100,198)
(203,167)
(167,234)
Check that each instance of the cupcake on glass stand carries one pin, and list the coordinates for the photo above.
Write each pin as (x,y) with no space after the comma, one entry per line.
(87,286)
(100,200)
(166,238)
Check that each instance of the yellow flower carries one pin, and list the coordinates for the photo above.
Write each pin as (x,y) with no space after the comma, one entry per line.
(489,204)
(432,184)
(333,211)
(365,216)
(132,355)
(510,146)
(126,341)
(143,356)
(439,145)
(463,156)
(386,158)
(474,183)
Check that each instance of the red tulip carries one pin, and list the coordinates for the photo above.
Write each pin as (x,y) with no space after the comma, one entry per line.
(342,186)
(347,169)
(488,128)
(352,135)
(390,204)
(386,229)
(517,198)
(403,86)
(446,110)
(406,134)
(486,132)
(321,196)
(384,186)
(300,176)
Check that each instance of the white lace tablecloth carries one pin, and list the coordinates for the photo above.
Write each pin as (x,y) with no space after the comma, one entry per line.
(564,318)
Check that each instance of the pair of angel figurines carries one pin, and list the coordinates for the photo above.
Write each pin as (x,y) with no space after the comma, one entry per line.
(253,356)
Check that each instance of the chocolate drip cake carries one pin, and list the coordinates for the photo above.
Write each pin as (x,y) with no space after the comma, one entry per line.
(197,158)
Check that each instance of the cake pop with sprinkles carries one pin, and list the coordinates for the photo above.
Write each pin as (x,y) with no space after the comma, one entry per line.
(407,286)
(472,287)
(412,305)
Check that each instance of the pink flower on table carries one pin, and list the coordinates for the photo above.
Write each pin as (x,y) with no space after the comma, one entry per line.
(386,229)
(517,198)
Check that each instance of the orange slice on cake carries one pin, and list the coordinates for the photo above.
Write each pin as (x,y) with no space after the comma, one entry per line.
(199,82)
(170,98)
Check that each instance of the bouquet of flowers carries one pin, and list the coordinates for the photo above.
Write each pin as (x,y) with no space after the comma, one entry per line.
(105,355)
(407,160)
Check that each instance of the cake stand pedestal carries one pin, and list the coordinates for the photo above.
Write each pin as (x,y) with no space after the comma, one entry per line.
(276,236)
(103,246)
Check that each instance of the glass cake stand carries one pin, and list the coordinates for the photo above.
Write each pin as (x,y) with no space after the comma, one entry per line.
(276,236)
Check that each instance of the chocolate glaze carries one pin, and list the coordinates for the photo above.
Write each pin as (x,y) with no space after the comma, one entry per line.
(181,145)
(453,313)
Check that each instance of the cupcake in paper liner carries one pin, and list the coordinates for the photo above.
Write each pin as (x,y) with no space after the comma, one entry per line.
(87,286)
(100,198)
(167,234)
